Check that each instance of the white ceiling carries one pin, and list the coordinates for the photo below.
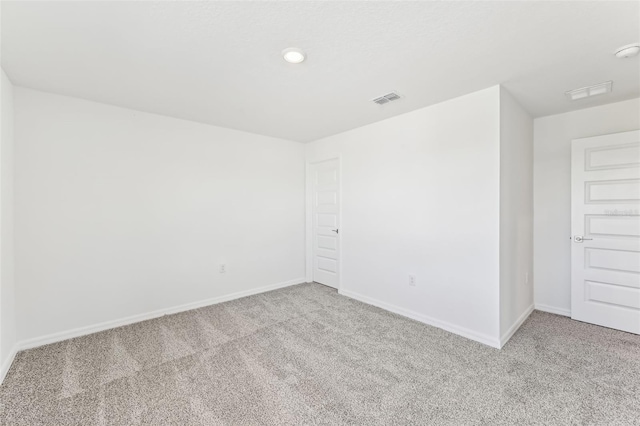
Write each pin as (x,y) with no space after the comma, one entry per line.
(220,62)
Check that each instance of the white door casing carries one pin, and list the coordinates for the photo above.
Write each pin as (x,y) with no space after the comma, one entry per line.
(605,225)
(325,222)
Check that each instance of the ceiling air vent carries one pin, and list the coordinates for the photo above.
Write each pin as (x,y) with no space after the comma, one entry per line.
(386,98)
(585,92)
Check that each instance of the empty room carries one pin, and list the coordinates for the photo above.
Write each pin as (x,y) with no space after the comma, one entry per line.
(319,212)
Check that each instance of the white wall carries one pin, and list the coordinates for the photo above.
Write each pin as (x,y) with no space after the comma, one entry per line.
(7,290)
(516,214)
(420,195)
(552,192)
(120,212)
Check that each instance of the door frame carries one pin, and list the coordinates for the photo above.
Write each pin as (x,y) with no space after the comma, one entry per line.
(309,215)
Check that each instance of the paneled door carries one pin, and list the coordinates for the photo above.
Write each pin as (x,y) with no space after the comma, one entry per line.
(325,187)
(605,254)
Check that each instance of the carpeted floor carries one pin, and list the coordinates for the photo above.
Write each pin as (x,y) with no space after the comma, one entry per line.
(305,355)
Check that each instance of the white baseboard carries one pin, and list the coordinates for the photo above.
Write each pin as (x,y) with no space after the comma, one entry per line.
(452,328)
(553,310)
(6,365)
(82,331)
(516,325)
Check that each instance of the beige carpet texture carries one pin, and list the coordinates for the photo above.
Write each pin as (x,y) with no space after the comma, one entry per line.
(304,355)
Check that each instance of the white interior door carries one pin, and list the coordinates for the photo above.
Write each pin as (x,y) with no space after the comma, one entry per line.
(325,186)
(605,255)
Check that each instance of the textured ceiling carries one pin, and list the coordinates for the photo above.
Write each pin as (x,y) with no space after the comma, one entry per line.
(220,63)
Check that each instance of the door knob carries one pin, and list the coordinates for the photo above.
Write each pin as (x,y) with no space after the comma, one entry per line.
(335,230)
(580,238)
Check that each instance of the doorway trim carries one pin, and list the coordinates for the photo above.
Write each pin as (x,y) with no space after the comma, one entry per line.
(308,234)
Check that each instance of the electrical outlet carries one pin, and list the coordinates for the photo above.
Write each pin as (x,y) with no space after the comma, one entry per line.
(412,280)
(223,268)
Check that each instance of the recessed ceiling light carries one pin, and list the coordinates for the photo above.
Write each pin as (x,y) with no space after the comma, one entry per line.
(628,51)
(293,55)
(585,92)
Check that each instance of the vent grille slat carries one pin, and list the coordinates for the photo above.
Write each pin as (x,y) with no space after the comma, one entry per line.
(385,99)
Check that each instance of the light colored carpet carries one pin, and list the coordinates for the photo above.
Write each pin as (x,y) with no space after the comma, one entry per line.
(305,355)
